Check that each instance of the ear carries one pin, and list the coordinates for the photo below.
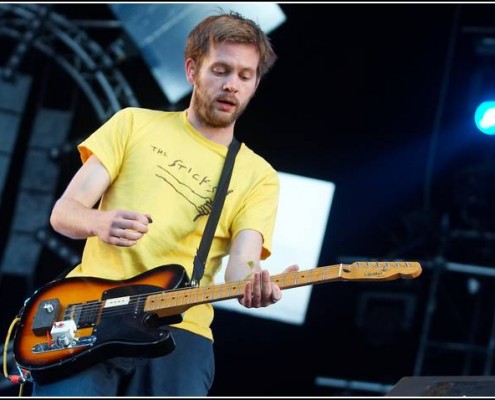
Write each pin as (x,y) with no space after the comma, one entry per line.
(190,70)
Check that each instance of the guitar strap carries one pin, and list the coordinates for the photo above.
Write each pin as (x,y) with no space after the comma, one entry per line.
(223,184)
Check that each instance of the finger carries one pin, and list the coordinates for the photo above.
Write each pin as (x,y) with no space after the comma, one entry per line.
(124,237)
(266,285)
(292,268)
(276,293)
(133,217)
(248,292)
(134,225)
(129,234)
(122,242)
(256,291)
(129,225)
(120,232)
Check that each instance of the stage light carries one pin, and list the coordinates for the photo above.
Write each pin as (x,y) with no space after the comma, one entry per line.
(484,117)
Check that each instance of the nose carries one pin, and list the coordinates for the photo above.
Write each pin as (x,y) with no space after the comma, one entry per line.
(230,86)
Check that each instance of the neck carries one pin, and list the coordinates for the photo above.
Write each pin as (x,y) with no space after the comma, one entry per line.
(218,135)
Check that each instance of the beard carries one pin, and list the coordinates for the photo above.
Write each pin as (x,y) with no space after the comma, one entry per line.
(205,109)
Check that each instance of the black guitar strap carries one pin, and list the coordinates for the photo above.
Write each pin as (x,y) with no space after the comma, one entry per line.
(223,184)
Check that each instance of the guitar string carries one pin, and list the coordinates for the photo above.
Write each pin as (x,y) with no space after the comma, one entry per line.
(135,299)
(169,300)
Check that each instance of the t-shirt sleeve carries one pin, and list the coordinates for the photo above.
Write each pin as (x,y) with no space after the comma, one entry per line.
(259,210)
(108,142)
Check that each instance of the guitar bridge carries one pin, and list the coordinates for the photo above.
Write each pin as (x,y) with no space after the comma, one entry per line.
(63,336)
(57,345)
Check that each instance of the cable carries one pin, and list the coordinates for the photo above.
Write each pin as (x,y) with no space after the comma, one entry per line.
(9,332)
(16,379)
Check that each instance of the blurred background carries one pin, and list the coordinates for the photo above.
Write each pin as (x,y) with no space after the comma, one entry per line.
(378,99)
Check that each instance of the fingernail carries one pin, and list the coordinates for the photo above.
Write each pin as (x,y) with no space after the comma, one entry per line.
(149,219)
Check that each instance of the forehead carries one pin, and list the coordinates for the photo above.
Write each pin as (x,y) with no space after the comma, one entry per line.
(241,55)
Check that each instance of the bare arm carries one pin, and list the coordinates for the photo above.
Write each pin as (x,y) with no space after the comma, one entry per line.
(244,264)
(74,216)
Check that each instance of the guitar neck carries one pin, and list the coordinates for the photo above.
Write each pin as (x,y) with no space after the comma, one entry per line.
(184,298)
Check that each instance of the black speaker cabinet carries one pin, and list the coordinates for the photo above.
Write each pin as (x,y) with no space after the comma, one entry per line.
(444,386)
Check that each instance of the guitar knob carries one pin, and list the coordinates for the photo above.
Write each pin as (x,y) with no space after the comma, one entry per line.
(151,320)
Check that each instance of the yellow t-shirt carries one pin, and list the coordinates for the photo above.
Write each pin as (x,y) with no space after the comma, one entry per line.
(160,165)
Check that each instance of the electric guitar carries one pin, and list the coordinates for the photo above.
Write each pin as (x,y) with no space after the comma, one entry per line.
(72,323)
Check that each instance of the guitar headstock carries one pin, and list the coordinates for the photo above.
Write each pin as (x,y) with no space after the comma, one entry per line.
(381,270)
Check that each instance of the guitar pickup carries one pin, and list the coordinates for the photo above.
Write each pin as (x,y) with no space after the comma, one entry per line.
(46,314)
